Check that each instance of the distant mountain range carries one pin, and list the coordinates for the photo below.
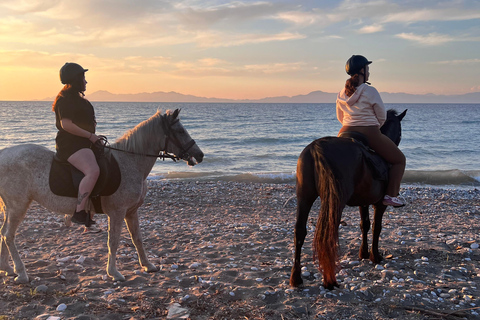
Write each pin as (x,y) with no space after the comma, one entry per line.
(312,97)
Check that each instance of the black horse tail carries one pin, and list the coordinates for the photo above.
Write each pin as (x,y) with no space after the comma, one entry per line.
(325,243)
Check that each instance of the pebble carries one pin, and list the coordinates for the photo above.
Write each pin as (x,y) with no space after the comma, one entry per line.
(80,260)
(41,288)
(474,246)
(61,307)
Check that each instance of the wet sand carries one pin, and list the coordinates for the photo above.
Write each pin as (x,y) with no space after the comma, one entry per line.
(225,250)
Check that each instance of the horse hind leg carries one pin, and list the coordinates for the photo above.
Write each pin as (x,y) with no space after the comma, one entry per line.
(14,215)
(134,230)
(4,256)
(303,209)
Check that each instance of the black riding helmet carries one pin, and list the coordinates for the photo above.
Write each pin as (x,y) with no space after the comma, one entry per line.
(355,64)
(69,71)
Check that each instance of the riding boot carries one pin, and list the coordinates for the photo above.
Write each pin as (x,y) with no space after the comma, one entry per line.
(80,217)
(89,221)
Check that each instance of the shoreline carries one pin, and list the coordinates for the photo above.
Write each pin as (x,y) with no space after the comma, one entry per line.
(225,252)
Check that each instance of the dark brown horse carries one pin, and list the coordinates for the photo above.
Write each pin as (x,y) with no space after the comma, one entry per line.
(336,170)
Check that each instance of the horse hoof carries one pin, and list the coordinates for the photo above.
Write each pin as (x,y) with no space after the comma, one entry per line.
(296,282)
(376,258)
(21,279)
(331,286)
(151,268)
(116,276)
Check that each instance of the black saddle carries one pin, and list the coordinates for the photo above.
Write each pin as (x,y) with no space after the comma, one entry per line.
(64,179)
(378,165)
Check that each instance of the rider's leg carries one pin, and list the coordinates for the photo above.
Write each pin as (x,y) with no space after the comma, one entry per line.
(84,160)
(389,151)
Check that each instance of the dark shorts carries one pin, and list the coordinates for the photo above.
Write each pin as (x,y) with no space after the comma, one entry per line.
(66,145)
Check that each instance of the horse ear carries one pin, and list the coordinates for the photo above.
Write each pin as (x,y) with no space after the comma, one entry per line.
(401,115)
(176,112)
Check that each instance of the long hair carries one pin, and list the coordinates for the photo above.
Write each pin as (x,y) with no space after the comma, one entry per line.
(352,84)
(73,90)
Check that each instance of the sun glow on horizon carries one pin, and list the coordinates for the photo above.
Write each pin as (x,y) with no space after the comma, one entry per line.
(237,50)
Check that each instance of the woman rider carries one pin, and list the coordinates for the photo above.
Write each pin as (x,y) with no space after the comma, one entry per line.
(360,108)
(75,121)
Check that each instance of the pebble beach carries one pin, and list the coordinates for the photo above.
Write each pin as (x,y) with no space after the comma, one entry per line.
(224,251)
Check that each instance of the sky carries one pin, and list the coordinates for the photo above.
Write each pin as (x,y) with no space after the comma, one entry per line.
(238,49)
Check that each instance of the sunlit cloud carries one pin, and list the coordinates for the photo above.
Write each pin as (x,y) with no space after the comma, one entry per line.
(218,39)
(432,39)
(445,14)
(371,29)
(458,62)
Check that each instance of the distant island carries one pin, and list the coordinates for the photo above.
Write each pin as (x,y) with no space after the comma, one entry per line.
(312,97)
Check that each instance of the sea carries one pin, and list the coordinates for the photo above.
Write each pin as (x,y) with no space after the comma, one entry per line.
(261,142)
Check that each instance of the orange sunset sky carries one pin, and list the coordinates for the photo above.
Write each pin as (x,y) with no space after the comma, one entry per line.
(238,49)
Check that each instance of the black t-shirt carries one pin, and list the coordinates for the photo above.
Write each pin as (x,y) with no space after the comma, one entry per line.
(81,112)
(77,109)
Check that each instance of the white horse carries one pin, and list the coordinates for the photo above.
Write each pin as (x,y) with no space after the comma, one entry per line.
(24,177)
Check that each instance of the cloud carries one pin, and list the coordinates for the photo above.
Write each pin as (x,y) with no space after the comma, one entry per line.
(430,14)
(436,39)
(220,39)
(432,39)
(371,29)
(29,6)
(229,13)
(458,62)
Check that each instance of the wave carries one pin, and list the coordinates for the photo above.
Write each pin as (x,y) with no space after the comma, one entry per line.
(442,177)
(411,177)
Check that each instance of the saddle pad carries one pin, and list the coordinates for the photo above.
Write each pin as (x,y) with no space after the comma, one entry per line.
(379,166)
(64,179)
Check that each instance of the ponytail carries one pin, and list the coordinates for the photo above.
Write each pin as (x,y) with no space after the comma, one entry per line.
(352,84)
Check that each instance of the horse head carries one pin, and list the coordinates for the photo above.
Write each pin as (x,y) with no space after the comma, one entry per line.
(178,140)
(392,127)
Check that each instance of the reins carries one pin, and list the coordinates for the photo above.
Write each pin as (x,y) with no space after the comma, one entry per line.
(103,143)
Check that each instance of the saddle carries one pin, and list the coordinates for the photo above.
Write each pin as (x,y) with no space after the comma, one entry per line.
(64,179)
(377,164)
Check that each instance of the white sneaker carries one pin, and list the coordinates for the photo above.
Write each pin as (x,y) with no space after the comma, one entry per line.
(393,201)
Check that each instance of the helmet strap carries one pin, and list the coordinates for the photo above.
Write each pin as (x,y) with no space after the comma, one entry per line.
(364,79)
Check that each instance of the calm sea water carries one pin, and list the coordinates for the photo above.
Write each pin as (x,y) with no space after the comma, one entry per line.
(261,142)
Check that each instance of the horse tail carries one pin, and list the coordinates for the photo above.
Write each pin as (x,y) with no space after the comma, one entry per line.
(325,243)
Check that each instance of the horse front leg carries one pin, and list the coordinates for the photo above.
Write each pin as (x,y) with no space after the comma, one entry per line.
(364,227)
(375,256)
(134,228)
(114,229)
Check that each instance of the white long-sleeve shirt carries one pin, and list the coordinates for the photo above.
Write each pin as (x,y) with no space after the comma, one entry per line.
(363,108)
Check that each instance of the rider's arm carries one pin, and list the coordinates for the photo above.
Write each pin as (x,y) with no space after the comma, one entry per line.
(72,128)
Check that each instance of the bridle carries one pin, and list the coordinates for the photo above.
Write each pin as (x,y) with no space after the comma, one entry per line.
(169,136)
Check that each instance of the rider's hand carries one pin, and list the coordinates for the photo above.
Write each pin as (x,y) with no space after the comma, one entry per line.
(93,138)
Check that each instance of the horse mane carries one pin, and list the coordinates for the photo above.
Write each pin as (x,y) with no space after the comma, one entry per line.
(135,140)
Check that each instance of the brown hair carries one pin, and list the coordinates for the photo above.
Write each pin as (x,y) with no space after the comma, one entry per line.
(72,90)
(352,84)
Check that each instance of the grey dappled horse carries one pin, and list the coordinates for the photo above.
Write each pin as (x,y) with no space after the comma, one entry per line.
(24,177)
